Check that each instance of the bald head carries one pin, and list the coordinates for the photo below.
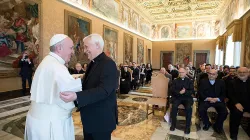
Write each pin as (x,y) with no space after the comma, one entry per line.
(182,73)
(243,73)
(212,74)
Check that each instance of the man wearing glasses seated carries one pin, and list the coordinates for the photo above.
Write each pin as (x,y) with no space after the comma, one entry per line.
(211,94)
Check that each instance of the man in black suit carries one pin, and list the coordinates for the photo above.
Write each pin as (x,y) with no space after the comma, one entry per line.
(211,94)
(97,100)
(135,77)
(239,98)
(204,74)
(26,65)
(182,88)
(172,71)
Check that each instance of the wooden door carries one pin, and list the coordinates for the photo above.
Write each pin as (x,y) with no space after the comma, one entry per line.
(149,56)
(167,58)
(201,58)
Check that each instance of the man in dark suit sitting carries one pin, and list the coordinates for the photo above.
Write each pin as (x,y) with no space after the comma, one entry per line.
(97,100)
(239,100)
(211,94)
(26,65)
(182,88)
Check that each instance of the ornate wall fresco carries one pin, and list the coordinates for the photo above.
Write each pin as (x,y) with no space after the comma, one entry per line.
(184,30)
(140,51)
(183,53)
(77,27)
(234,11)
(110,37)
(107,8)
(247,44)
(161,20)
(19,31)
(128,48)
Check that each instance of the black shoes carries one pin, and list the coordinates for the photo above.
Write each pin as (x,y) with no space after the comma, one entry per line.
(172,128)
(206,126)
(233,138)
(187,130)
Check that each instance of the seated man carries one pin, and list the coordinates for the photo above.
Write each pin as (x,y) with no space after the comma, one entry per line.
(239,100)
(182,88)
(212,93)
(78,69)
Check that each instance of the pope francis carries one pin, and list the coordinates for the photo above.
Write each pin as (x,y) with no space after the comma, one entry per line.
(49,118)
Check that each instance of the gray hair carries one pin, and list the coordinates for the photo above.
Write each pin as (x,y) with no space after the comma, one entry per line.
(53,48)
(96,39)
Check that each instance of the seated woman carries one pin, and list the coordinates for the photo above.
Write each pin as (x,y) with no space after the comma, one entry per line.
(125,81)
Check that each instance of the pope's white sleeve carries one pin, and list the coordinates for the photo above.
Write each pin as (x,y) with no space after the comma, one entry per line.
(66,82)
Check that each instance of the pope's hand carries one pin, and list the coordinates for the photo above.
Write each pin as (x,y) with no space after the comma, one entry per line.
(68,96)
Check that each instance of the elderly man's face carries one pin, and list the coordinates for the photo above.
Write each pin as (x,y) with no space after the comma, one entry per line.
(182,73)
(212,74)
(67,49)
(162,71)
(90,49)
(242,73)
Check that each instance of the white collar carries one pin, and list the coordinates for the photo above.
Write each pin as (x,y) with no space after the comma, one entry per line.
(57,57)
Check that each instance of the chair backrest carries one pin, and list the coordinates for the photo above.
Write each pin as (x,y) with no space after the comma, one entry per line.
(159,86)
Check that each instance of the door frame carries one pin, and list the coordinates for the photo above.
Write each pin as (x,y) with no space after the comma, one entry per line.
(162,52)
(201,51)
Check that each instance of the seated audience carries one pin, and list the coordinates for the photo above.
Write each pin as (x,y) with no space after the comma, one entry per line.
(212,94)
(239,100)
(182,88)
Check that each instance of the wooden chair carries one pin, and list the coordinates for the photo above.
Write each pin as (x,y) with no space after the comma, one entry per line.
(159,86)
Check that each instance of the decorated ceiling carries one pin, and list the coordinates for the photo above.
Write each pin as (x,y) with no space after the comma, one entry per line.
(169,19)
(160,11)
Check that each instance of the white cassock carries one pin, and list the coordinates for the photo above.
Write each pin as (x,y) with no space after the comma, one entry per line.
(49,117)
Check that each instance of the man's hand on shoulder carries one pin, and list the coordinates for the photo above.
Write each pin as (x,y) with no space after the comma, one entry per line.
(68,96)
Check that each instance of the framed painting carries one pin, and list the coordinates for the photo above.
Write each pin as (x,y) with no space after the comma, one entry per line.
(77,27)
(184,30)
(19,32)
(140,51)
(183,53)
(110,37)
(128,48)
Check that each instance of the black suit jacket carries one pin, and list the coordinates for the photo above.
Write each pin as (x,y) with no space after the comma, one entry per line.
(205,86)
(174,73)
(178,85)
(97,100)
(136,73)
(26,68)
(236,92)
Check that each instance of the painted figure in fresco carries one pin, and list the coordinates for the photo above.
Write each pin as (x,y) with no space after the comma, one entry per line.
(201,31)
(164,32)
(140,53)
(20,27)
(155,31)
(128,48)
(5,43)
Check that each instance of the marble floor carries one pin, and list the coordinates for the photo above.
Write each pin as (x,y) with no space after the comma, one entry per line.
(133,124)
